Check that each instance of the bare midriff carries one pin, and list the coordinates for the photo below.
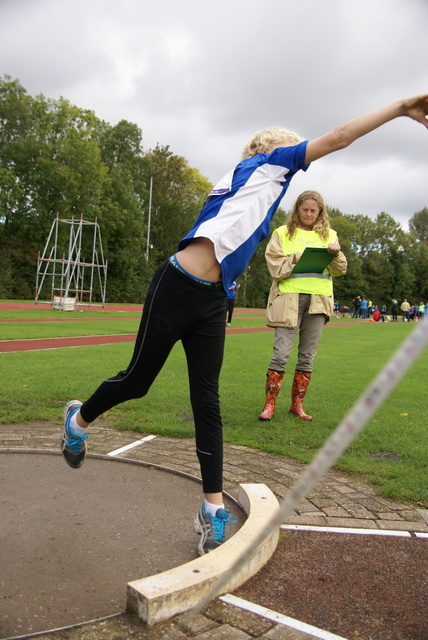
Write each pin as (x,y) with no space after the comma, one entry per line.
(198,258)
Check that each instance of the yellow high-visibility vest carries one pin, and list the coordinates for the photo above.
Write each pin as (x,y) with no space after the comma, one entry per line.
(317,283)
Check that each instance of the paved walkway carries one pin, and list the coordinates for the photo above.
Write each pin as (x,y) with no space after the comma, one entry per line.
(337,501)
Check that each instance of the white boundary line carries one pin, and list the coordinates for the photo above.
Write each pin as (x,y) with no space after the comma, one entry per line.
(95,335)
(117,452)
(71,346)
(421,535)
(371,532)
(279,618)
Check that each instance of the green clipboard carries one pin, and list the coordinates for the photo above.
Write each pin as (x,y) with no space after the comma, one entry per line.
(313,260)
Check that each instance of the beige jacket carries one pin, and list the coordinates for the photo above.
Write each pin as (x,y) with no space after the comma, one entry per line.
(282,308)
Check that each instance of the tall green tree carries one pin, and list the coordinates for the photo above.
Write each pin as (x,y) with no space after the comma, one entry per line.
(418,264)
(50,162)
(177,196)
(418,225)
(59,160)
(122,218)
(56,159)
(380,245)
(348,286)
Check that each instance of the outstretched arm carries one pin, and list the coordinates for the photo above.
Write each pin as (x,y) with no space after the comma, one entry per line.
(344,135)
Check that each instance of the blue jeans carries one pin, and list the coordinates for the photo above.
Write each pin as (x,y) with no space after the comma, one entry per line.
(178,308)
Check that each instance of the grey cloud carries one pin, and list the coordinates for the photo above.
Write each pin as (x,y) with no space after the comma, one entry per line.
(202,78)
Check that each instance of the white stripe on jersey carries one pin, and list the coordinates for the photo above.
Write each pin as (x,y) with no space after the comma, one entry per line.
(239,209)
(244,213)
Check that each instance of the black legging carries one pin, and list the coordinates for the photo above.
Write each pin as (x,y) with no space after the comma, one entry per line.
(177,308)
(230,302)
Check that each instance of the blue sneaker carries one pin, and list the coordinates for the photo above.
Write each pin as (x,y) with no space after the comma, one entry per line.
(73,447)
(212,528)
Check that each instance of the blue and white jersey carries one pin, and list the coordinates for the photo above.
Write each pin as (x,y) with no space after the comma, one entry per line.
(238,211)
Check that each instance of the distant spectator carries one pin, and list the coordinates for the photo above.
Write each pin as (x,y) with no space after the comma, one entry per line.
(405,308)
(377,315)
(364,308)
(344,310)
(357,305)
(230,300)
(394,308)
(413,313)
(421,311)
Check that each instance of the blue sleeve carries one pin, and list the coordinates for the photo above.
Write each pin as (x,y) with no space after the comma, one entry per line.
(292,158)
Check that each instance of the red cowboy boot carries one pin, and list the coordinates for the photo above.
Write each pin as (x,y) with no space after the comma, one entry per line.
(273,385)
(298,392)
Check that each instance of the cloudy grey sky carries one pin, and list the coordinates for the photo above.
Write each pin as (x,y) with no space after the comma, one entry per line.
(202,77)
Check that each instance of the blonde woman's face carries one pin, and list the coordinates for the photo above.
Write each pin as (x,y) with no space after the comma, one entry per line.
(308,213)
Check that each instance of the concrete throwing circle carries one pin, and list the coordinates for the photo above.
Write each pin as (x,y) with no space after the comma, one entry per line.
(71,540)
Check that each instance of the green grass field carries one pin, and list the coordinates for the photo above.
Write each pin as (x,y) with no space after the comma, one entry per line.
(391,452)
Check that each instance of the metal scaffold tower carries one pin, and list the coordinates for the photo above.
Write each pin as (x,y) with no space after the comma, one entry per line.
(73,280)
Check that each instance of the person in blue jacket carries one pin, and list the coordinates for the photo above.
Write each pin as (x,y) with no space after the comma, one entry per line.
(230,300)
(186,299)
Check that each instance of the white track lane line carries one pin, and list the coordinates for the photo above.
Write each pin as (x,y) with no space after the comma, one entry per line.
(117,452)
(371,532)
(279,618)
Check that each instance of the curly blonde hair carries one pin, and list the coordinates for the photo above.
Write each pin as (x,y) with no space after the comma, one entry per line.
(322,223)
(266,140)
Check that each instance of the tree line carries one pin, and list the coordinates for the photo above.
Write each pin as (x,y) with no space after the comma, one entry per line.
(59,160)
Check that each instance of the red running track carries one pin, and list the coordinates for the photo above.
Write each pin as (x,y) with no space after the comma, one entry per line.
(40,344)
